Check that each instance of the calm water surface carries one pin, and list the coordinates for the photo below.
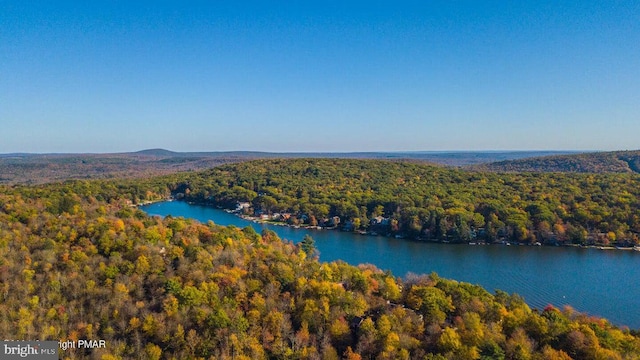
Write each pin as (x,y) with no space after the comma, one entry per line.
(598,282)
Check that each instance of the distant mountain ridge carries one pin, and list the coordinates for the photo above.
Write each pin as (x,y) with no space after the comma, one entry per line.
(597,162)
(451,158)
(33,168)
(156,152)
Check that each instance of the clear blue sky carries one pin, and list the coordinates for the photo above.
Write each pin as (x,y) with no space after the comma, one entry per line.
(111,76)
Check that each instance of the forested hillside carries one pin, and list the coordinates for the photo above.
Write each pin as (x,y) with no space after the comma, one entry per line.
(429,202)
(78,262)
(599,162)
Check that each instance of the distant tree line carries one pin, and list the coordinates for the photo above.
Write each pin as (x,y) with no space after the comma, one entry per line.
(598,162)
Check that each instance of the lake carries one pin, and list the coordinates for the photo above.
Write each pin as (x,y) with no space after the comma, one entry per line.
(597,282)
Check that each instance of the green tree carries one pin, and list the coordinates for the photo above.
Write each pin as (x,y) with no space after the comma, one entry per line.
(308,245)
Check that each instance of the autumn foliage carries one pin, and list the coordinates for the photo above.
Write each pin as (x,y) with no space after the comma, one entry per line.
(78,262)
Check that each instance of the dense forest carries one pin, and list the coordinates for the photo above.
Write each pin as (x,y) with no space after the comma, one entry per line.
(599,162)
(77,261)
(429,202)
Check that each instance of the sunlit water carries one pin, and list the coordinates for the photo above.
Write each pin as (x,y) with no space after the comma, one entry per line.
(598,282)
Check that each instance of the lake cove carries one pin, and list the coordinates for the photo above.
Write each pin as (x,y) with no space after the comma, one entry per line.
(597,282)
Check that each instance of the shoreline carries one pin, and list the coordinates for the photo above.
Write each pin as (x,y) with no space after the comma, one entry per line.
(384,258)
(258,220)
(150,202)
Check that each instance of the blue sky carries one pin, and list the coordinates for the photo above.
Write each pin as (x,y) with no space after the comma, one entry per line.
(319,76)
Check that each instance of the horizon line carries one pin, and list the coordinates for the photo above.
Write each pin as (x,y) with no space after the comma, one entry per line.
(22,153)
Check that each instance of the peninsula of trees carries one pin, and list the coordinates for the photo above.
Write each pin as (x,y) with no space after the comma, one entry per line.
(77,261)
(428,202)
